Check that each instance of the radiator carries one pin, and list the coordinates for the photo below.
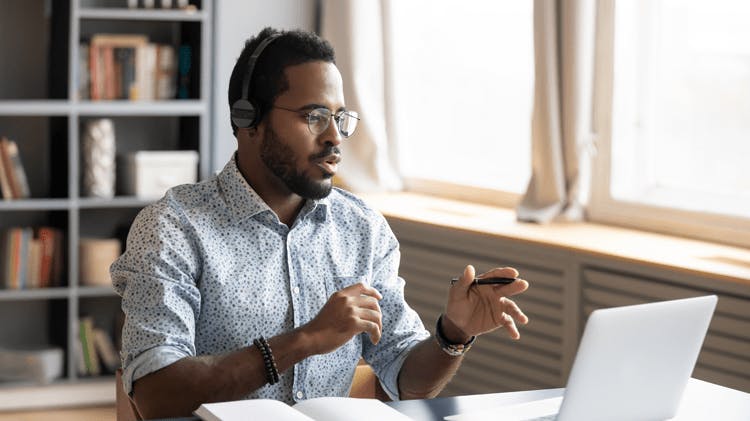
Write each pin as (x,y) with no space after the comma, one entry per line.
(495,363)
(725,357)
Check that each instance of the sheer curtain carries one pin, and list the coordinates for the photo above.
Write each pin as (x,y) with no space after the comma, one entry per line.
(356,30)
(562,133)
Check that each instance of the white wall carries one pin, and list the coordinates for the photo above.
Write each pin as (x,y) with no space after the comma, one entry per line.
(234,22)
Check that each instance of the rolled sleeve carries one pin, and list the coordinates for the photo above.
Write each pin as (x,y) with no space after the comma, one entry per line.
(147,362)
(156,279)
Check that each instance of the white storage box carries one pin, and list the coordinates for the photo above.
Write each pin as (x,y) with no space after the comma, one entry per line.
(41,365)
(149,174)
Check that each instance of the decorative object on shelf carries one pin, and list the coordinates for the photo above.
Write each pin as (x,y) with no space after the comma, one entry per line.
(96,255)
(98,142)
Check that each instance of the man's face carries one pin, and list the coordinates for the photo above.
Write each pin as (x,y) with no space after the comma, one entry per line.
(303,161)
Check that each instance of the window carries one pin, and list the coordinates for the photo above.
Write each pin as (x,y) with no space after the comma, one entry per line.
(676,152)
(462,75)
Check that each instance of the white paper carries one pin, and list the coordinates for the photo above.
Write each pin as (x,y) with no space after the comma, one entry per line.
(334,409)
(251,409)
(322,409)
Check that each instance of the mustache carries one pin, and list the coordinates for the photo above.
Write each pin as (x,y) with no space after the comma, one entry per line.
(326,153)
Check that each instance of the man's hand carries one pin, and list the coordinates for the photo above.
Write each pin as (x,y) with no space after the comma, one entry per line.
(476,309)
(347,312)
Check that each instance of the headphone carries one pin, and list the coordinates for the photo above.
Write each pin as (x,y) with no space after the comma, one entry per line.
(245,111)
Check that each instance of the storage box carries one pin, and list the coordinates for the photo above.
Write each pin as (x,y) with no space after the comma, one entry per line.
(41,365)
(149,174)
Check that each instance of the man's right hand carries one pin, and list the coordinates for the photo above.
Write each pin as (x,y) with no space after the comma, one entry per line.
(347,312)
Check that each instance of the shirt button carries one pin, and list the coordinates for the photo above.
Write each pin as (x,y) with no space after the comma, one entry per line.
(300,395)
(295,290)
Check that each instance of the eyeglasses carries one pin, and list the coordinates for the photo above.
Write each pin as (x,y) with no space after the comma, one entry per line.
(318,120)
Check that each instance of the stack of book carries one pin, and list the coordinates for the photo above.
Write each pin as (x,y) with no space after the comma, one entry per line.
(31,258)
(126,66)
(95,352)
(13,182)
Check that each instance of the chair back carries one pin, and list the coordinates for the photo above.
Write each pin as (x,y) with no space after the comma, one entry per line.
(365,384)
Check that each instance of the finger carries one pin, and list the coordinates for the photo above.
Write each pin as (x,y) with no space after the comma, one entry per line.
(360,288)
(372,329)
(512,309)
(505,272)
(467,278)
(510,327)
(368,302)
(371,316)
(512,288)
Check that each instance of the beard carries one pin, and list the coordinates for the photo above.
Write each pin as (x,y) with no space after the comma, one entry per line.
(281,160)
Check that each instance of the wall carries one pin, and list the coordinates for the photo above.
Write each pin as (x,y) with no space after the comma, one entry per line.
(235,21)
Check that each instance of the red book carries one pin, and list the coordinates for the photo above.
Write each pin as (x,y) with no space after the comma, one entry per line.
(46,236)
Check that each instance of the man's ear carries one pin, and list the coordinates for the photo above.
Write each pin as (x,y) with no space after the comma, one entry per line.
(248,133)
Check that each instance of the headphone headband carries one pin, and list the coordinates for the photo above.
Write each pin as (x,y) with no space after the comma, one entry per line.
(244,111)
(251,64)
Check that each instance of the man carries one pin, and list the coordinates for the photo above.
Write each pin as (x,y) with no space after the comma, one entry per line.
(266,282)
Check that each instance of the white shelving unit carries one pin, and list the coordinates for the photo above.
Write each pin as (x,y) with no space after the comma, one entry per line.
(41,111)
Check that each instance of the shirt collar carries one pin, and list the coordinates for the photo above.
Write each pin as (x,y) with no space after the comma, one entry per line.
(245,203)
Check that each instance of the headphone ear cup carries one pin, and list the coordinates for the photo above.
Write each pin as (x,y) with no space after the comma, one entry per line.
(244,113)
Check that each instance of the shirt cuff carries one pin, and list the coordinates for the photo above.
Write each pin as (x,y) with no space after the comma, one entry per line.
(389,382)
(148,362)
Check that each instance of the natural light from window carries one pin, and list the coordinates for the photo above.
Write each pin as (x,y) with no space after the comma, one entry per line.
(463,76)
(681,105)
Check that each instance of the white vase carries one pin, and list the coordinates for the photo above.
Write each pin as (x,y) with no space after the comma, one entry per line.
(98,143)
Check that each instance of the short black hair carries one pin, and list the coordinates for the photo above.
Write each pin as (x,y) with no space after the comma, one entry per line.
(268,79)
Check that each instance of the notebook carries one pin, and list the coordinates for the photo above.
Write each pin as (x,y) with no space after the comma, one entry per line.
(633,363)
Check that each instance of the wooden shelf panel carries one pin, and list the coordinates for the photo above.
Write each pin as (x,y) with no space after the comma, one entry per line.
(35,107)
(116,202)
(185,107)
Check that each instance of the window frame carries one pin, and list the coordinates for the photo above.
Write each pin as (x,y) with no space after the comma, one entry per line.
(604,208)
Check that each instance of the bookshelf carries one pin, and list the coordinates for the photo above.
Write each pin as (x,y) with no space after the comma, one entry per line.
(42,110)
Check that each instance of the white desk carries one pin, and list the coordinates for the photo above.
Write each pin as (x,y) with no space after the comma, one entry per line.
(702,401)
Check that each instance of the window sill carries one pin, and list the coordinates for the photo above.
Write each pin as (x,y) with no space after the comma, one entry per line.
(628,245)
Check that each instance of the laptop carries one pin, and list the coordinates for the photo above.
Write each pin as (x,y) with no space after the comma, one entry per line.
(633,363)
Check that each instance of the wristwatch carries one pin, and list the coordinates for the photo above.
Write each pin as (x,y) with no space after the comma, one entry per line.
(454,350)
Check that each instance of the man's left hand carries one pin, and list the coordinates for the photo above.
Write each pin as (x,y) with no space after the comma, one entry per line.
(473,310)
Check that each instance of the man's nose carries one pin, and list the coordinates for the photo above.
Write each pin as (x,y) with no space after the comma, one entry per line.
(331,133)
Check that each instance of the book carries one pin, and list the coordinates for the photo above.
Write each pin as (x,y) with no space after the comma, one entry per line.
(8,168)
(33,264)
(328,409)
(106,350)
(185,57)
(14,169)
(86,336)
(46,237)
(166,72)
(113,64)
(5,188)
(84,80)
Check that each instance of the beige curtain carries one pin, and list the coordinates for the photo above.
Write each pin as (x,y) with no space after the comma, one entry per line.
(561,119)
(356,31)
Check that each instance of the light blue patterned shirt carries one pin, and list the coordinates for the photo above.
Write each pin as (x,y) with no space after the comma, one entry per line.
(209,268)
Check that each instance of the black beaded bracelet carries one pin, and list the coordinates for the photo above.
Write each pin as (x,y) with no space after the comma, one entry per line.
(272,372)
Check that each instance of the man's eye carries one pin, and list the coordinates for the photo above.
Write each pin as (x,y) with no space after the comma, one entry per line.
(315,118)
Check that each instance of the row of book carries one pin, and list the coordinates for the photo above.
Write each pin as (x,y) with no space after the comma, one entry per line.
(95,351)
(128,66)
(31,257)
(13,181)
